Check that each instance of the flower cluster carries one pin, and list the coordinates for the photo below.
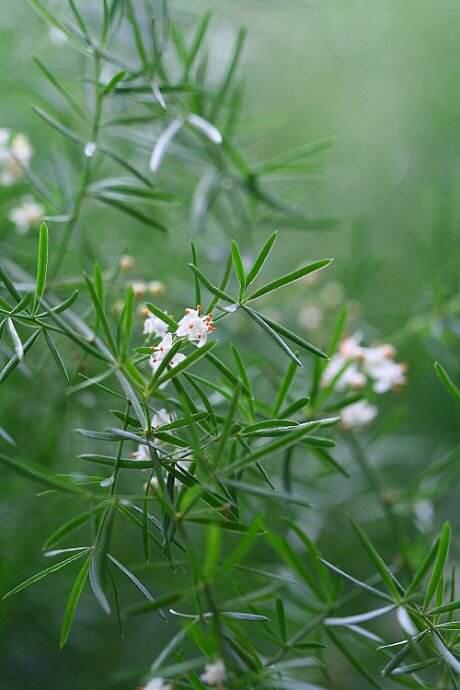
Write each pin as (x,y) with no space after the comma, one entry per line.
(154,287)
(214,675)
(159,419)
(192,326)
(27,215)
(355,367)
(15,155)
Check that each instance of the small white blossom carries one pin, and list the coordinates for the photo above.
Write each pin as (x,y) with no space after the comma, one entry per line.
(332,293)
(358,414)
(142,452)
(310,317)
(351,348)
(27,215)
(157,684)
(162,350)
(90,149)
(139,288)
(214,673)
(424,514)
(155,326)
(126,262)
(15,155)
(161,417)
(349,376)
(387,375)
(156,288)
(195,327)
(354,365)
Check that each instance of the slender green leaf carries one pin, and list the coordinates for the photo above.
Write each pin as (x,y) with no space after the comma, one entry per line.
(261,259)
(72,602)
(387,576)
(447,381)
(36,472)
(210,286)
(44,573)
(439,563)
(239,268)
(290,278)
(56,356)
(261,321)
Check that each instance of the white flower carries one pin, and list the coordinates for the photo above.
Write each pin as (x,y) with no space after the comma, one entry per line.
(310,317)
(142,452)
(27,215)
(214,674)
(157,684)
(15,154)
(424,514)
(156,288)
(126,262)
(387,375)
(195,327)
(354,365)
(162,350)
(155,326)
(139,288)
(351,376)
(332,294)
(161,417)
(21,148)
(90,149)
(358,414)
(350,348)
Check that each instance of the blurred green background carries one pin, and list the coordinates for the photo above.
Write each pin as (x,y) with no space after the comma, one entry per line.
(382,78)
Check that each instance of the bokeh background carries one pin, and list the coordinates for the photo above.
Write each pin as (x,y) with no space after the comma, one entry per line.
(382,79)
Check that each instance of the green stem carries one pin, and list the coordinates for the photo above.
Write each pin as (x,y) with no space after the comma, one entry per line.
(86,173)
(375,483)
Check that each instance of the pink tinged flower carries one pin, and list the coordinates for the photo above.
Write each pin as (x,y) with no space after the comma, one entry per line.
(15,154)
(214,673)
(195,327)
(345,373)
(310,317)
(350,348)
(162,350)
(358,414)
(155,326)
(142,452)
(139,288)
(352,378)
(387,376)
(157,684)
(27,215)
(161,418)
